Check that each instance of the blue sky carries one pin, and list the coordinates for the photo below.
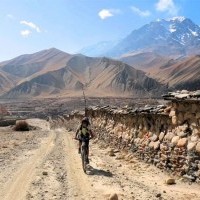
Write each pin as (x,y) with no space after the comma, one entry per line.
(29,26)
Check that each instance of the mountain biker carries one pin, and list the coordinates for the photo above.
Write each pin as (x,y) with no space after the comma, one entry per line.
(84,132)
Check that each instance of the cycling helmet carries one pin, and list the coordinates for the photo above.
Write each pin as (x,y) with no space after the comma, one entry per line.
(86,119)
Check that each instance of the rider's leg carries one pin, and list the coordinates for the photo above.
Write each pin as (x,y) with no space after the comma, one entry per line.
(87,147)
(79,148)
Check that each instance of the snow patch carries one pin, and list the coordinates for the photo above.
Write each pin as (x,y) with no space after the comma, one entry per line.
(179,18)
(194,33)
(172,29)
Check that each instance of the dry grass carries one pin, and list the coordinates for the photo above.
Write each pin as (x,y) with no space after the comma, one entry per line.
(21,126)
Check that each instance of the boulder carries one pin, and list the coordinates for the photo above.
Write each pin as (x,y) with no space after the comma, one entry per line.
(174,120)
(111,153)
(175,140)
(194,139)
(191,146)
(170,181)
(172,113)
(156,145)
(182,134)
(44,173)
(151,144)
(182,142)
(198,147)
(113,197)
(161,136)
(154,138)
(169,136)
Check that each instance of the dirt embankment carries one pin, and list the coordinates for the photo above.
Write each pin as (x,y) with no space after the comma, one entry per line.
(44,164)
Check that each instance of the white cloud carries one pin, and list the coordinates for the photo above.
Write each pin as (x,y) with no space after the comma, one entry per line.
(167,5)
(25,33)
(31,25)
(139,12)
(105,13)
(10,16)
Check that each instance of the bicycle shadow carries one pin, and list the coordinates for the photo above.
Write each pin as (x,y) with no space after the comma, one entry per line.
(98,172)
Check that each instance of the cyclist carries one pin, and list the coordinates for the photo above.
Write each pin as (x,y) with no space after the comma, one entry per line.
(85,133)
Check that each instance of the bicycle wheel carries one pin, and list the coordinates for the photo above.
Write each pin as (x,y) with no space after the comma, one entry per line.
(83,156)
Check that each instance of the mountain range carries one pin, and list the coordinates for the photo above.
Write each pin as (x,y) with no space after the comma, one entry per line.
(177,36)
(160,56)
(53,72)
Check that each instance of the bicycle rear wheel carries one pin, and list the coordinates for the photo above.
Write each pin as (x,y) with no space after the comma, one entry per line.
(83,156)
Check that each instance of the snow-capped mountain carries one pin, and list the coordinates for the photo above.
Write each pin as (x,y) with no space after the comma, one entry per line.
(174,36)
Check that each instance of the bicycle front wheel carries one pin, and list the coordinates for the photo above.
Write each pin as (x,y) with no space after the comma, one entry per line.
(83,155)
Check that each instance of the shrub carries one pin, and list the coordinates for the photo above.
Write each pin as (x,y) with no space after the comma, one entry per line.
(21,126)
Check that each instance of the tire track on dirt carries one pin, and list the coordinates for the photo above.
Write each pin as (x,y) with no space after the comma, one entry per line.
(16,188)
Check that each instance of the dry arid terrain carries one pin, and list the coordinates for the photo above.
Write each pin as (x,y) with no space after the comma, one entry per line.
(44,164)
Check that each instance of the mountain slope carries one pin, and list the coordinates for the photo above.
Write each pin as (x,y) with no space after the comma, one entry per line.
(27,65)
(144,60)
(182,74)
(97,75)
(175,36)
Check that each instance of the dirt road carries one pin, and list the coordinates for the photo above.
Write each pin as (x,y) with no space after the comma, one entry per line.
(44,164)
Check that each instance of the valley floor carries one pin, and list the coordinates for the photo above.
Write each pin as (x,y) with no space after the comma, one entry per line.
(44,164)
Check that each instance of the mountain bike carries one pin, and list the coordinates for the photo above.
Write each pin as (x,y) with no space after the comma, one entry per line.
(84,152)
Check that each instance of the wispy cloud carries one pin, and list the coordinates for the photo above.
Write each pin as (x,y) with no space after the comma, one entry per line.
(25,33)
(142,13)
(31,25)
(105,13)
(10,16)
(167,6)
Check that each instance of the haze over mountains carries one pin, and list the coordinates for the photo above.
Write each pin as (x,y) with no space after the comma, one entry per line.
(166,51)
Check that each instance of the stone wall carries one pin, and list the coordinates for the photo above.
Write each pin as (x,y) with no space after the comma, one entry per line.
(168,137)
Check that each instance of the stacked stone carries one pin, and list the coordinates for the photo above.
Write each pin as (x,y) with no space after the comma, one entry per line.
(170,141)
(178,160)
(163,156)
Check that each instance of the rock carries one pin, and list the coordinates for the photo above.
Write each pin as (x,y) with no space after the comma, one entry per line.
(169,136)
(120,157)
(198,147)
(182,134)
(182,142)
(183,127)
(156,145)
(113,197)
(154,138)
(175,140)
(161,136)
(172,113)
(194,139)
(111,153)
(151,144)
(170,181)
(158,195)
(45,173)
(174,120)
(190,178)
(191,146)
